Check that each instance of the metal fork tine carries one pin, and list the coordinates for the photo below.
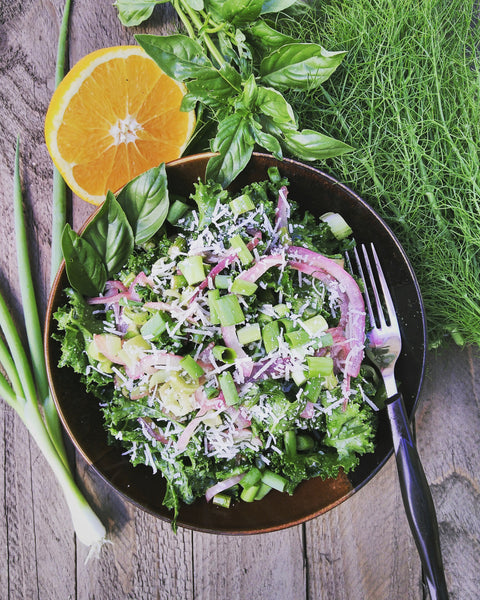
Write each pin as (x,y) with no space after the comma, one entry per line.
(366,295)
(392,314)
(373,286)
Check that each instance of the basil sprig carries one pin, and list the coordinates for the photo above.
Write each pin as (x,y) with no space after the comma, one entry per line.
(236,67)
(107,241)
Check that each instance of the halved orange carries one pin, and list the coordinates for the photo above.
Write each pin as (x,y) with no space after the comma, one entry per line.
(115,115)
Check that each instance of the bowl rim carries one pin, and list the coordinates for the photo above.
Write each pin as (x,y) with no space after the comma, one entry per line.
(203,156)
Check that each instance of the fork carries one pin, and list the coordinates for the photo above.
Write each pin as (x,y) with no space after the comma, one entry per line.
(383,349)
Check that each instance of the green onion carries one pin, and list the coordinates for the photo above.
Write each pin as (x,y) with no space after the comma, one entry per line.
(21,391)
(223,500)
(192,269)
(281,310)
(154,327)
(212,297)
(270,335)
(241,204)
(226,355)
(252,477)
(313,388)
(229,310)
(290,443)
(243,287)
(315,326)
(274,480)
(249,333)
(319,366)
(338,226)
(178,281)
(296,338)
(190,365)
(250,493)
(222,282)
(228,387)
(262,491)
(243,252)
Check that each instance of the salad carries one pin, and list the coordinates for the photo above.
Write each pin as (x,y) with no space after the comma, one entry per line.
(227,352)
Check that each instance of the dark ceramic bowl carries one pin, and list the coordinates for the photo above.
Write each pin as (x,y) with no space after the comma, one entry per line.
(82,419)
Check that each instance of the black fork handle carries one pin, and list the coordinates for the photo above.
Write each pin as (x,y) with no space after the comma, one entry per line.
(417,499)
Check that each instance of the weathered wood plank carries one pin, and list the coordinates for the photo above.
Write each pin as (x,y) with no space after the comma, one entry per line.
(259,567)
(448,423)
(363,549)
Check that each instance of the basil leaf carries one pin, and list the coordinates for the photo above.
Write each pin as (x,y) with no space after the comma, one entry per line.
(273,104)
(265,37)
(134,12)
(235,144)
(110,233)
(241,12)
(177,55)
(145,203)
(84,266)
(311,145)
(299,66)
(267,141)
(270,6)
(214,87)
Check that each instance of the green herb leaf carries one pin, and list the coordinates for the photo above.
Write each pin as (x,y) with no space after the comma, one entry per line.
(84,266)
(235,143)
(110,233)
(177,55)
(213,87)
(272,104)
(311,145)
(270,6)
(299,66)
(134,12)
(267,38)
(145,203)
(241,12)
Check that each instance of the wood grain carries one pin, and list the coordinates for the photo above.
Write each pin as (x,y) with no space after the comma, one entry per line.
(361,550)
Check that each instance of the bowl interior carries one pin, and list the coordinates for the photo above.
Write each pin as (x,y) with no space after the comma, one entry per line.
(79,412)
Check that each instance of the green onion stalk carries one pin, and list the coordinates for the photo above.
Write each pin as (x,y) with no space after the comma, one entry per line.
(24,382)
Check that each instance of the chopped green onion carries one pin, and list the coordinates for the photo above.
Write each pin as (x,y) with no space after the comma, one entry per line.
(211,391)
(249,333)
(274,174)
(339,227)
(290,442)
(281,310)
(274,480)
(243,287)
(296,338)
(313,388)
(241,204)
(262,491)
(251,477)
(176,211)
(315,326)
(190,365)
(179,245)
(223,500)
(298,376)
(192,269)
(326,340)
(319,366)
(226,355)
(228,387)
(178,281)
(154,327)
(243,252)
(270,335)
(249,494)
(229,310)
(286,325)
(222,282)
(212,297)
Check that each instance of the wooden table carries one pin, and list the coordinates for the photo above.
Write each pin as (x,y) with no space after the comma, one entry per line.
(361,550)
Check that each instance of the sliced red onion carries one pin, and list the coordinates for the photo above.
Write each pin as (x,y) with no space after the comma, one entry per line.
(352,310)
(221,486)
(153,432)
(282,212)
(261,266)
(245,364)
(308,411)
